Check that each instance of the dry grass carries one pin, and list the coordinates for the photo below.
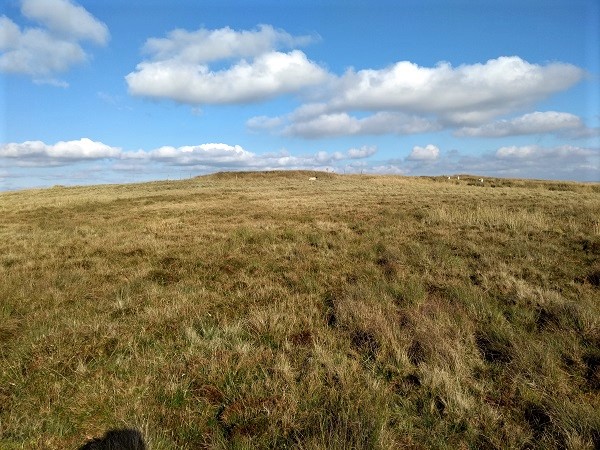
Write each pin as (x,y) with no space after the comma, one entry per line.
(259,310)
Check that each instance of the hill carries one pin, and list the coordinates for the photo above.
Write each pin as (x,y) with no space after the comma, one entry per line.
(262,310)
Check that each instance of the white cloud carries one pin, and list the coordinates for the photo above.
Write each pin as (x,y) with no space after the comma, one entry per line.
(467,94)
(9,33)
(404,98)
(534,161)
(52,82)
(178,66)
(202,157)
(364,152)
(427,153)
(35,52)
(407,98)
(342,124)
(388,169)
(225,156)
(526,151)
(97,162)
(260,123)
(54,48)
(203,46)
(532,123)
(37,153)
(325,125)
(267,76)
(323,157)
(67,19)
(563,162)
(82,149)
(215,154)
(529,161)
(537,153)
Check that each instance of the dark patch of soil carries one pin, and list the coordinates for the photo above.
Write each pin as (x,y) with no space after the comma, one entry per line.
(494,348)
(365,342)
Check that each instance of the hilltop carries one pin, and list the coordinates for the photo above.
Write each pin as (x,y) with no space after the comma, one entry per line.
(261,310)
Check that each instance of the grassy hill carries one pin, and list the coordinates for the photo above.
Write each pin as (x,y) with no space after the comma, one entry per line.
(262,310)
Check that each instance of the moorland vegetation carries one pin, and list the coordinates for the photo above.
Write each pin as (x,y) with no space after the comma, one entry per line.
(261,310)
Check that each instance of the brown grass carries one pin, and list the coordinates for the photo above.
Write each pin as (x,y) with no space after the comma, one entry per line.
(260,310)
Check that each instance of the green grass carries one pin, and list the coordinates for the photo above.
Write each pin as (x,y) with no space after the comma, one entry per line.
(261,310)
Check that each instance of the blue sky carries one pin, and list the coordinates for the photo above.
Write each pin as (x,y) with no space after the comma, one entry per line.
(105,91)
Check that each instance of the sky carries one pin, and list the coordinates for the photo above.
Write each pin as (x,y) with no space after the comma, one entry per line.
(107,91)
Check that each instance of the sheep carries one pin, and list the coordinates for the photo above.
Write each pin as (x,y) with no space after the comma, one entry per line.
(312,179)
(481,180)
(125,439)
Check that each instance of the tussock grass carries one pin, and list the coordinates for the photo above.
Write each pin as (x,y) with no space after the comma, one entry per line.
(261,310)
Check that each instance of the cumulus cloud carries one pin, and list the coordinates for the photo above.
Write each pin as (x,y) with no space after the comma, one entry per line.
(260,123)
(178,66)
(102,163)
(363,152)
(536,153)
(203,46)
(323,157)
(406,98)
(467,94)
(37,153)
(201,158)
(53,48)
(215,154)
(35,51)
(560,162)
(427,153)
(52,82)
(267,76)
(533,123)
(557,162)
(565,162)
(403,98)
(67,19)
(225,156)
(343,124)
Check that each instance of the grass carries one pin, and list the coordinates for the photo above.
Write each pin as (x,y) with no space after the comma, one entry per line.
(261,310)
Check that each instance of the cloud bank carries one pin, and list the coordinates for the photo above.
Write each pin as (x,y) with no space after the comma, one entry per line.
(227,66)
(178,68)
(214,156)
(405,98)
(88,161)
(37,153)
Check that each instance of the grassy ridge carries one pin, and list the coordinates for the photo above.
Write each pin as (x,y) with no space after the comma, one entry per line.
(261,310)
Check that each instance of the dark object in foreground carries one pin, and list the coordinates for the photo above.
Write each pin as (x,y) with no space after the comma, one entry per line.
(117,440)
